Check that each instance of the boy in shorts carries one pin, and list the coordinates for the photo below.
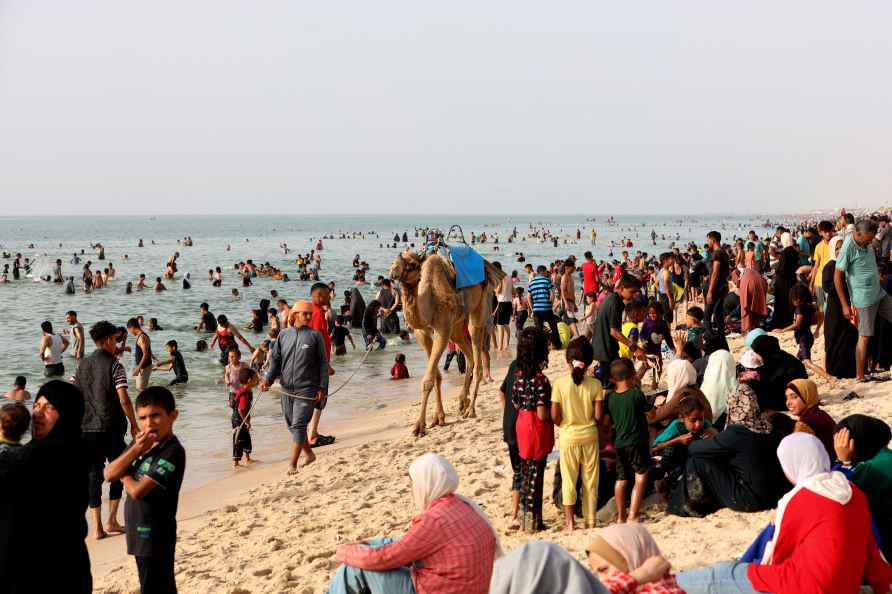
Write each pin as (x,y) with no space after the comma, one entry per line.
(626,406)
(151,471)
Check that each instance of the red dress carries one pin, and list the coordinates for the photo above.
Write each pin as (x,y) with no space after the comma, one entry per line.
(535,437)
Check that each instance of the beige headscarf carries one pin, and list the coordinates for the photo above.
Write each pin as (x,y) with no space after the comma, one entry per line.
(786,239)
(434,477)
(625,546)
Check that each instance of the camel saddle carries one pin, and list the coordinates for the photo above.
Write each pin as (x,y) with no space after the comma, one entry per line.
(468,264)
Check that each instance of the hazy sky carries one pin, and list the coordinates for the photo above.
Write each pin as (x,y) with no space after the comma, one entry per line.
(268,106)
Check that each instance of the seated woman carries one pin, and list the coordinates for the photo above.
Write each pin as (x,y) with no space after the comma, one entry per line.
(862,448)
(779,368)
(623,549)
(448,550)
(681,378)
(822,540)
(44,500)
(743,406)
(719,380)
(802,401)
(735,469)
(540,567)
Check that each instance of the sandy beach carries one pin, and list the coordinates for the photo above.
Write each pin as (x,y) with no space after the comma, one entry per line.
(263,532)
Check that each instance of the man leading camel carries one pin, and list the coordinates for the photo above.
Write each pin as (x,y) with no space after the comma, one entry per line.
(298,360)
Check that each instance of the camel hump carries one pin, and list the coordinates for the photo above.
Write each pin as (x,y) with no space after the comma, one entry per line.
(494,276)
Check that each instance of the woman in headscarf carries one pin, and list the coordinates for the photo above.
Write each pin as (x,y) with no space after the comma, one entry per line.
(719,380)
(778,369)
(622,549)
(538,567)
(752,335)
(743,406)
(357,308)
(822,540)
(449,549)
(46,482)
(840,335)
(711,343)
(802,401)
(784,279)
(264,312)
(861,445)
(682,381)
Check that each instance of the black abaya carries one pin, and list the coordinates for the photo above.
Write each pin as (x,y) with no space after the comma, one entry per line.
(840,335)
(784,279)
(778,369)
(737,469)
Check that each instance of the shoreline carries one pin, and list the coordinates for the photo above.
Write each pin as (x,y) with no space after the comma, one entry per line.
(199,500)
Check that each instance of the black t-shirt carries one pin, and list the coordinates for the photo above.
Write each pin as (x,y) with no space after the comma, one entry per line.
(210,322)
(339,335)
(720,258)
(610,316)
(151,523)
(179,366)
(509,417)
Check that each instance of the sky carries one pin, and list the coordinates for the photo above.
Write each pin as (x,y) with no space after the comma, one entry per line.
(213,107)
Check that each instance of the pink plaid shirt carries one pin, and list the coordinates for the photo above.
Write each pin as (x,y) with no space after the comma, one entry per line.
(622,583)
(449,546)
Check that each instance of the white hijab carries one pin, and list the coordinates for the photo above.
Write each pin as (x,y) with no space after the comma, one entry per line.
(806,464)
(786,239)
(434,477)
(679,375)
(835,245)
(719,380)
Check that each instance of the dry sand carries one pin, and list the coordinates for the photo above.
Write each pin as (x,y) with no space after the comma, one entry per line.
(280,535)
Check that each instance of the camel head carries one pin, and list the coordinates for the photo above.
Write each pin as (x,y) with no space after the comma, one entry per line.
(406,268)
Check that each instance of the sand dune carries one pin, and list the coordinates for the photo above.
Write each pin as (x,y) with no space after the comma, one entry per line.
(281,536)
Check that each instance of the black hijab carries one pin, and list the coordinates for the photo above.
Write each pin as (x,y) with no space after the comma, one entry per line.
(50,475)
(264,311)
(871,435)
(778,369)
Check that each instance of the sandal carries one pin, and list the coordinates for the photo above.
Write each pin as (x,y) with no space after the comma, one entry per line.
(323,440)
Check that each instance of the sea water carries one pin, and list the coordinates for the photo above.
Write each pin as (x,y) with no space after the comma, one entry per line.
(204,422)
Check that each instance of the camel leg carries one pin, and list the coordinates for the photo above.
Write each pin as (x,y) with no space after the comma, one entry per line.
(439,414)
(477,335)
(421,424)
(461,340)
(437,345)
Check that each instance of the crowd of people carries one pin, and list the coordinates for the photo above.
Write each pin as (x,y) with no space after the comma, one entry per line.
(746,433)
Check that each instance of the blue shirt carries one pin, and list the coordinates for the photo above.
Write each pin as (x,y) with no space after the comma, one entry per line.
(540,293)
(860,267)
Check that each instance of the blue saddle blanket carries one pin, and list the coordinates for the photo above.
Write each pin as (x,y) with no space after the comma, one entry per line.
(468,266)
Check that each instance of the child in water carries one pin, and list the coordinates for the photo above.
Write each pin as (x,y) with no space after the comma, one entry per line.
(242,401)
(175,363)
(399,370)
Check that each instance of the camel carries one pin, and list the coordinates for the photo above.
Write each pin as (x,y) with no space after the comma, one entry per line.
(435,310)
